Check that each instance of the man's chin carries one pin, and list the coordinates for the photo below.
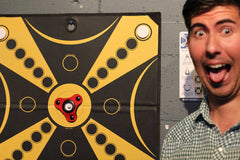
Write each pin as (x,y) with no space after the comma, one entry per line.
(220,95)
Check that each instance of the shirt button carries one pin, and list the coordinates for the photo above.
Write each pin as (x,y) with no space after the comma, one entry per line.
(220,149)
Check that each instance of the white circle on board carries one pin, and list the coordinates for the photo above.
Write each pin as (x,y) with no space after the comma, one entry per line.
(143,31)
(3,33)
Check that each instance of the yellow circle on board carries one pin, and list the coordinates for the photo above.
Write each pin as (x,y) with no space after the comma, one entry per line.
(70,56)
(118,106)
(66,91)
(22,107)
(68,155)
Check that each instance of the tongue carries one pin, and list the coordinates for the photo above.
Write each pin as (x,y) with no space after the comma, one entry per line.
(217,75)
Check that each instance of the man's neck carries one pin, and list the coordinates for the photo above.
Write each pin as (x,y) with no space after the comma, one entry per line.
(225,115)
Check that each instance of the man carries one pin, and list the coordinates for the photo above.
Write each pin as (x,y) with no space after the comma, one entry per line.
(213,131)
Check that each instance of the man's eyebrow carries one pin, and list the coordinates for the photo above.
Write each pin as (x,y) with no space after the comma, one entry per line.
(218,23)
(225,21)
(197,25)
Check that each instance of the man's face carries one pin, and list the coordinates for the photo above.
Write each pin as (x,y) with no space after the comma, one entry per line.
(214,45)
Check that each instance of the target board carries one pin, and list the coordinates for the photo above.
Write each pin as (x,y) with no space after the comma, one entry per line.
(79,86)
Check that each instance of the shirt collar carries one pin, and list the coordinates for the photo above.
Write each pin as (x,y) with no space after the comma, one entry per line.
(203,112)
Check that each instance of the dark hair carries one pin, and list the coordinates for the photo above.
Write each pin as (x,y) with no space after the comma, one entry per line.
(193,8)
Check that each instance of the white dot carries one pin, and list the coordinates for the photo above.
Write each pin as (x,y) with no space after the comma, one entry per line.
(3,33)
(220,149)
(143,31)
(167,127)
(68,106)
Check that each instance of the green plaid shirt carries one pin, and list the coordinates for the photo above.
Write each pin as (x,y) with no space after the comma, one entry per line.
(197,138)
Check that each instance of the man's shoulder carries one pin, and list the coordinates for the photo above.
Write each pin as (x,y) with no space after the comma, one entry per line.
(183,128)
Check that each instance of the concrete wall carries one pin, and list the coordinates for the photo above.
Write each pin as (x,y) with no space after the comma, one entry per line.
(172,109)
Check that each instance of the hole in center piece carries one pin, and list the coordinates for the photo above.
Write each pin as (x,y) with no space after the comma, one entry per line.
(69,106)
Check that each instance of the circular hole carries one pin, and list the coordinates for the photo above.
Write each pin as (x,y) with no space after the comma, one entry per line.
(17,155)
(11,44)
(78,98)
(91,129)
(102,73)
(47,82)
(92,82)
(131,43)
(68,106)
(46,127)
(101,139)
(110,149)
(36,137)
(38,72)
(58,102)
(20,53)
(29,63)
(119,157)
(27,146)
(72,117)
(71,25)
(122,53)
(112,63)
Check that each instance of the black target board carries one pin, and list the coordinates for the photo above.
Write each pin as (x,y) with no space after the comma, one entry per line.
(80,86)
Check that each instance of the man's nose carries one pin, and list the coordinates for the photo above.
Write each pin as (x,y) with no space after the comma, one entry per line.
(212,46)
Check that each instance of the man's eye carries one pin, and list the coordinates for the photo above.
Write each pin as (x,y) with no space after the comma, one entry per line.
(226,31)
(200,33)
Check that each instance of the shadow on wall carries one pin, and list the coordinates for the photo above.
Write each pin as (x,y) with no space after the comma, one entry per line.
(191,106)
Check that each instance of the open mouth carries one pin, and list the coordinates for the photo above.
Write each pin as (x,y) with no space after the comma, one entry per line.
(218,73)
